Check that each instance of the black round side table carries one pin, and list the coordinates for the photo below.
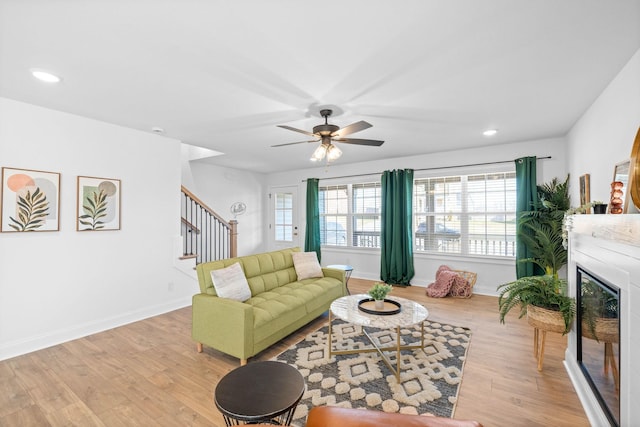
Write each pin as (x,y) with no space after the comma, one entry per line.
(260,392)
(347,273)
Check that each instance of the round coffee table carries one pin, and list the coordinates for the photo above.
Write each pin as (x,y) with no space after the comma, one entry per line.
(411,313)
(260,392)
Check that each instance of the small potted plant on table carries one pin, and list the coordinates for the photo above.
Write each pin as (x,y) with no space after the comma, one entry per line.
(378,292)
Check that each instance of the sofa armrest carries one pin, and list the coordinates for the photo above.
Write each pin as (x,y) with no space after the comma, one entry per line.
(223,324)
(336,274)
(324,416)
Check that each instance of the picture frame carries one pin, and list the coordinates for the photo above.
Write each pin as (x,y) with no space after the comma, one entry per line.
(98,204)
(585,190)
(30,200)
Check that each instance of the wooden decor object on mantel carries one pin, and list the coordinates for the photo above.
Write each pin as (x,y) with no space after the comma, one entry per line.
(617,192)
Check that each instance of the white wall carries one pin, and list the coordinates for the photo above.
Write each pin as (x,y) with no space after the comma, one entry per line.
(56,286)
(219,187)
(366,263)
(604,135)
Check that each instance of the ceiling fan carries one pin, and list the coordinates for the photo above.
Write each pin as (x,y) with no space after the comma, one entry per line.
(327,134)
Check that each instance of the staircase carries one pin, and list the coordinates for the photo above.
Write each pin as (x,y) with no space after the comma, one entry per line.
(205,235)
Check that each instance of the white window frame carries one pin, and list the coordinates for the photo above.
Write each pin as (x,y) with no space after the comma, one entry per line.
(445,244)
(350,217)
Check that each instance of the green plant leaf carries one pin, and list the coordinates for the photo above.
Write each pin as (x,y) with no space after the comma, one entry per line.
(32,209)
(95,208)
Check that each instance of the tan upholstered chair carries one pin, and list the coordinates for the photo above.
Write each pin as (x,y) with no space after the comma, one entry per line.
(332,416)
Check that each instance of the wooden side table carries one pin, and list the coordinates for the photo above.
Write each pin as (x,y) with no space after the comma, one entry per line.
(260,392)
(347,273)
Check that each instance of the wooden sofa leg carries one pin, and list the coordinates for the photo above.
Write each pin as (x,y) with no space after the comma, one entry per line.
(199,347)
(243,362)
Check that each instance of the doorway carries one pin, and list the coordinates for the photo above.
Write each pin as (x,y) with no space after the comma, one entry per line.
(283,223)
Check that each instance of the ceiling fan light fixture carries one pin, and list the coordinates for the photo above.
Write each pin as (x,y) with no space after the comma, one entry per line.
(319,154)
(333,153)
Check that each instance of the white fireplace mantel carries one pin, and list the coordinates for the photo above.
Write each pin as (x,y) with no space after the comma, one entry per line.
(608,246)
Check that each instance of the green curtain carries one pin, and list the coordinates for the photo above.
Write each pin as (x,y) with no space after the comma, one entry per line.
(396,242)
(526,200)
(312,231)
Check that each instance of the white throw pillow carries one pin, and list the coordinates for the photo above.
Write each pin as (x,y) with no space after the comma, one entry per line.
(231,283)
(306,265)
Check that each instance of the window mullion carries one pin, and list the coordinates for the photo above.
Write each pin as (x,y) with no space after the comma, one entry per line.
(350,218)
(464,217)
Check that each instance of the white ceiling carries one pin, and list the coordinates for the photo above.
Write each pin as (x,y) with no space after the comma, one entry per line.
(429,75)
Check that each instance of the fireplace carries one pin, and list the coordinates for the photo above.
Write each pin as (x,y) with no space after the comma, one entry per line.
(604,268)
(598,344)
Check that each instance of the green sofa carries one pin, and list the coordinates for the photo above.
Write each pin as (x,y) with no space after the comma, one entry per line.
(279,303)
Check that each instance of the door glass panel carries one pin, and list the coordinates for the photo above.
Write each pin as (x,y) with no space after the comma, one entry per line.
(284,217)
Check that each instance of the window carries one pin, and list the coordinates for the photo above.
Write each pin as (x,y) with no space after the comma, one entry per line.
(334,210)
(437,210)
(464,214)
(350,215)
(470,214)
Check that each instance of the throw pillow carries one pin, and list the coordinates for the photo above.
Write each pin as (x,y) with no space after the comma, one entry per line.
(306,265)
(441,287)
(231,283)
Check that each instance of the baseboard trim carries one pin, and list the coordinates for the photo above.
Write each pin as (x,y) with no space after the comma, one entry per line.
(39,342)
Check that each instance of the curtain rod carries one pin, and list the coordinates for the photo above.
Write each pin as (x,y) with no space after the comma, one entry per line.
(434,168)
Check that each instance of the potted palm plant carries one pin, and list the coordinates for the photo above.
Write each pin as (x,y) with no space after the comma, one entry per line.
(542,227)
(543,298)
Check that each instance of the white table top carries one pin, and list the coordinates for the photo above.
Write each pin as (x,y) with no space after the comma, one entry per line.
(341,267)
(346,308)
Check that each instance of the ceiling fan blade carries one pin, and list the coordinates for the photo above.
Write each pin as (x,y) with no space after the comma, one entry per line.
(356,141)
(293,143)
(296,130)
(352,128)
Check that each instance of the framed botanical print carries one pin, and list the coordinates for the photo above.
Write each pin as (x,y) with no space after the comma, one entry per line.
(98,207)
(30,200)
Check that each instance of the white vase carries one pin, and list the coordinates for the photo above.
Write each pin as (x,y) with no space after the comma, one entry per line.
(379,304)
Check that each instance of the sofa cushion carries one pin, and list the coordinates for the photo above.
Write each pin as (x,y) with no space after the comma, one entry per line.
(316,292)
(274,310)
(231,283)
(306,265)
(261,267)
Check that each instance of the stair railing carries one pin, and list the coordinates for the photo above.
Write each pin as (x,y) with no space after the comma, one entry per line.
(205,235)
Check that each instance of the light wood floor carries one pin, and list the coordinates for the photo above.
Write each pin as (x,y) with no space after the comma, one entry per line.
(149,374)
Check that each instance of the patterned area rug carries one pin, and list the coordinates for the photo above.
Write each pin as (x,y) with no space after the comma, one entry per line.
(429,379)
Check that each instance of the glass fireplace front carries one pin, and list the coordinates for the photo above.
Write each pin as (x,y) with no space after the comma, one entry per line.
(598,330)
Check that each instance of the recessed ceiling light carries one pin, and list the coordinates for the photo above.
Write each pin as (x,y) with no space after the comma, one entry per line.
(45,76)
(157,129)
(490,132)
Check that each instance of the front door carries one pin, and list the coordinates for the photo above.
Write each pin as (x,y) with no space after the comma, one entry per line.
(283,226)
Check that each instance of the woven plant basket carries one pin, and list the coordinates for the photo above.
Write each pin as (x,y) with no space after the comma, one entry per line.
(606,330)
(547,320)
(471,277)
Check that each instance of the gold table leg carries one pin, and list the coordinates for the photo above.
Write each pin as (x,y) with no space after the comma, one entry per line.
(398,348)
